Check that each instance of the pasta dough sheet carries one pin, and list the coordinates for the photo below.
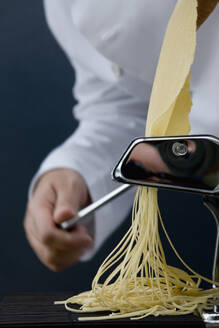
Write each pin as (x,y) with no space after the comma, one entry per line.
(170,101)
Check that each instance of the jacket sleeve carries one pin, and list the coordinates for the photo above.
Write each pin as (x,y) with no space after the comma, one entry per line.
(109,119)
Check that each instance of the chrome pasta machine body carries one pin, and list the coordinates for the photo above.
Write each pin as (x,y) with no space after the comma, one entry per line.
(184,163)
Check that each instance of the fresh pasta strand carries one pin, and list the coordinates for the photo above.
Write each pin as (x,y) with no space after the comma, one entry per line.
(146,285)
(140,282)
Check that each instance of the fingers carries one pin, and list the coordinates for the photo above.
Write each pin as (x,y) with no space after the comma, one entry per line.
(54,201)
(45,230)
(55,260)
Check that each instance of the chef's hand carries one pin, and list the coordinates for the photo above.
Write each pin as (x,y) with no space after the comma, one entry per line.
(59,195)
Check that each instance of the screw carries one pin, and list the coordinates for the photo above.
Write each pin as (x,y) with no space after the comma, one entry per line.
(179,149)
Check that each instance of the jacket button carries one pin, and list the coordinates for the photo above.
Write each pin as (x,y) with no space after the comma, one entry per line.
(118,71)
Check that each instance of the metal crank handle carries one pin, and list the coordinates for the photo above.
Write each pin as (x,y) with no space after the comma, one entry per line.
(69,224)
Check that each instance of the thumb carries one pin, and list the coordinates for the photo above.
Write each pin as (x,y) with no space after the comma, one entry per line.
(67,204)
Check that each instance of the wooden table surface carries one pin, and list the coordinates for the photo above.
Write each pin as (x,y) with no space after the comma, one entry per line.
(37,310)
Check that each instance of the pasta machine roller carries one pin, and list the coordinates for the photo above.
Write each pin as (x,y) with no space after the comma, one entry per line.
(186,163)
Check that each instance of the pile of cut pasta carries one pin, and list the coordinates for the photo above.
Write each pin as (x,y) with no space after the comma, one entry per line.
(139,281)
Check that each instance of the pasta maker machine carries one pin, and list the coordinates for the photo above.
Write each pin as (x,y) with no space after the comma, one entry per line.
(184,163)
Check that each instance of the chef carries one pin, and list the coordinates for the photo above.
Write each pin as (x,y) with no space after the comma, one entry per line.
(114,48)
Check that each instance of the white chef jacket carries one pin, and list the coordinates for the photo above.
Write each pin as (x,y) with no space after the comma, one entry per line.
(114,47)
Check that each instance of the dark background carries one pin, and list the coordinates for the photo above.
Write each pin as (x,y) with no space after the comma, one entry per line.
(36,115)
